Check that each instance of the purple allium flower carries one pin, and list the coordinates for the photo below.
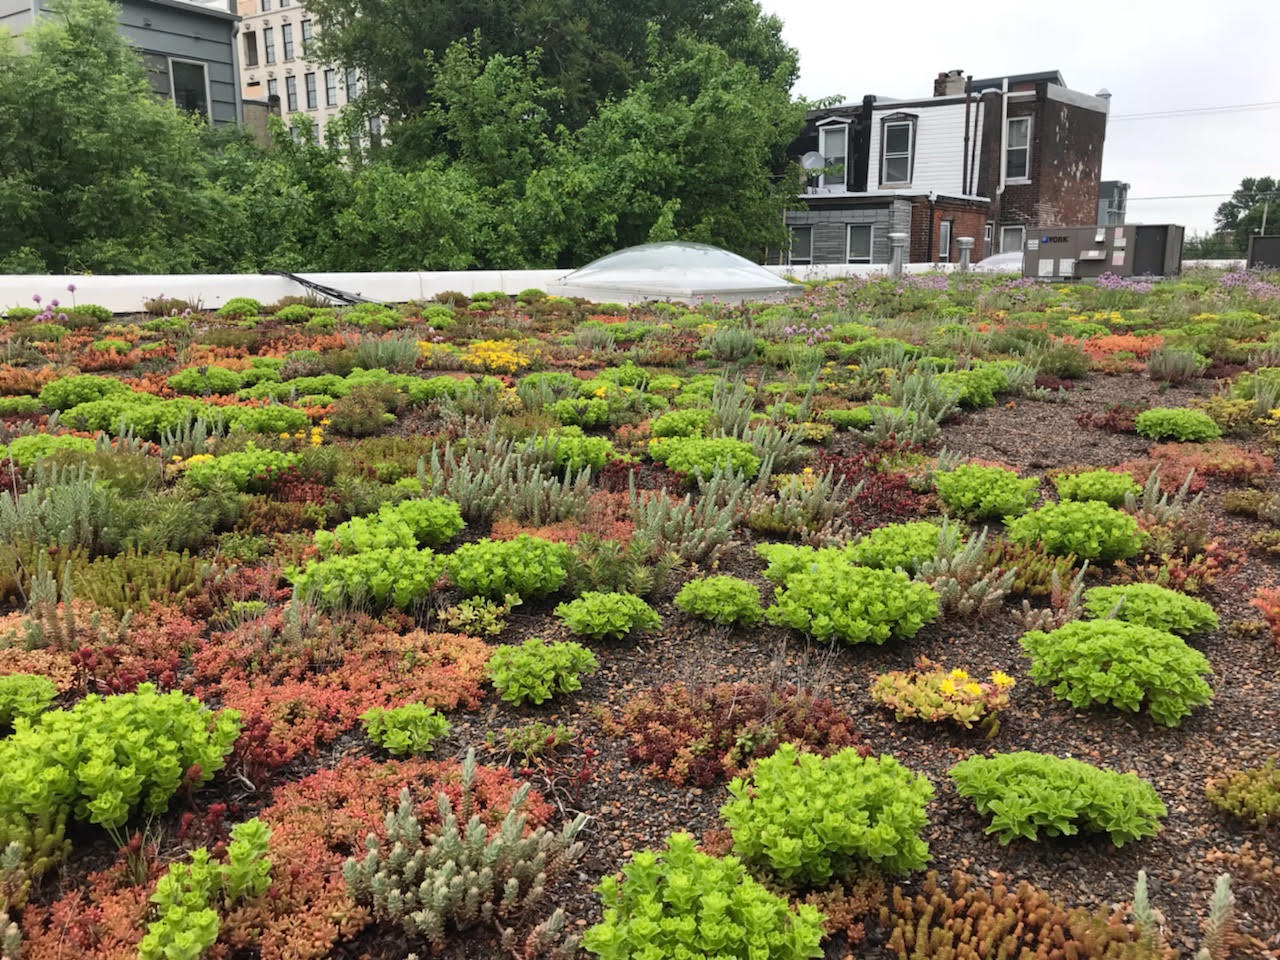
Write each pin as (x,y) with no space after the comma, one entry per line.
(71,288)
(35,297)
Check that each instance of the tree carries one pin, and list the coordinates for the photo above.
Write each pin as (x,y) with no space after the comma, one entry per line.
(591,50)
(96,173)
(1242,215)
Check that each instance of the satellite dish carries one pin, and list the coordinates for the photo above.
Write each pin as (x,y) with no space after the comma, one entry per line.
(813,160)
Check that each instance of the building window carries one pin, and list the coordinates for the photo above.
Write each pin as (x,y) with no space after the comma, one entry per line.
(307,37)
(353,85)
(284,3)
(895,151)
(832,147)
(986,240)
(291,93)
(801,245)
(273,93)
(310,80)
(190,89)
(331,88)
(859,243)
(264,6)
(1017,150)
(269,43)
(1012,238)
(286,36)
(944,241)
(250,49)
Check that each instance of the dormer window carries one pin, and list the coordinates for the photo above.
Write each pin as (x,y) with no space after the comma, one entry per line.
(832,145)
(897,148)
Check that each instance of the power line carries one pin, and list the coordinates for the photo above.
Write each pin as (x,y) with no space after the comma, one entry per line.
(1198,111)
(1197,196)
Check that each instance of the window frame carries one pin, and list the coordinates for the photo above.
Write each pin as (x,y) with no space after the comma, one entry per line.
(945,229)
(291,93)
(1008,149)
(897,120)
(286,41)
(250,48)
(264,6)
(1022,232)
(352,83)
(208,88)
(273,90)
(269,44)
(842,126)
(310,90)
(848,242)
(791,258)
(330,87)
(308,37)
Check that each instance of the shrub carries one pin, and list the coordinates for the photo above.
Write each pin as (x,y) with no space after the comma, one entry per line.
(535,671)
(597,615)
(1151,605)
(586,412)
(19,406)
(378,578)
(897,546)
(1088,529)
(25,451)
(251,470)
(412,728)
(464,872)
(706,733)
(238,307)
(105,757)
(1176,423)
(834,599)
(24,695)
(431,522)
(933,693)
(198,381)
(68,392)
(871,811)
(982,493)
(1108,486)
(575,452)
(721,599)
(700,456)
(1026,793)
(1250,794)
(1124,664)
(679,902)
(526,566)
(681,423)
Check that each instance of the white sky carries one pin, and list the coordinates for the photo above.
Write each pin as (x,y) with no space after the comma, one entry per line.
(1153,55)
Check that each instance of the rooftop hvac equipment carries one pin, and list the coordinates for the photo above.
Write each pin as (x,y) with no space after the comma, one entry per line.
(1081,253)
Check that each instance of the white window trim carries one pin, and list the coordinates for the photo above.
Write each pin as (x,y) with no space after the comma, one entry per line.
(208,89)
(884,153)
(848,242)
(944,241)
(1022,230)
(839,185)
(1007,148)
(803,261)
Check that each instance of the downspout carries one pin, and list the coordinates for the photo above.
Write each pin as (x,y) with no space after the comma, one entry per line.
(964,156)
(971,186)
(1004,133)
(928,251)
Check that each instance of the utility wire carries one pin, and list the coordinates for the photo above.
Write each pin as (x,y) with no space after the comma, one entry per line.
(1199,196)
(1198,111)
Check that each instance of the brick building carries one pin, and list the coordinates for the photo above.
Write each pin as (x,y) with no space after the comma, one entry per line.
(980,158)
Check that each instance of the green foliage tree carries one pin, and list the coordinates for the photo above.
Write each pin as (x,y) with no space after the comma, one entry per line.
(1241,216)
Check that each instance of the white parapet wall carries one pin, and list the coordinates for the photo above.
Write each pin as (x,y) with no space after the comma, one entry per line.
(127,294)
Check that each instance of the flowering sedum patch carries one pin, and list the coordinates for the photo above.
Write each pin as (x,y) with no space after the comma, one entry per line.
(933,693)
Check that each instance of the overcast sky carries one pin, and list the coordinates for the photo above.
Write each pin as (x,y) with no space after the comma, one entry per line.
(1152,56)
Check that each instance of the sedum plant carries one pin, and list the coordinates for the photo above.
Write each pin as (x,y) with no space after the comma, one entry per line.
(680,902)
(1251,794)
(1124,664)
(933,693)
(1089,530)
(379,578)
(1109,486)
(721,599)
(24,695)
(526,567)
(701,456)
(1177,423)
(985,493)
(464,873)
(411,728)
(432,522)
(835,600)
(808,819)
(904,546)
(613,615)
(251,469)
(535,671)
(1151,605)
(1029,793)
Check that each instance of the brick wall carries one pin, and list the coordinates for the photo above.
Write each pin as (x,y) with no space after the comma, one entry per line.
(967,220)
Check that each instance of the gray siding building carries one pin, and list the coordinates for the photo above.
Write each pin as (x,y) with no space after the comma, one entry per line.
(188,50)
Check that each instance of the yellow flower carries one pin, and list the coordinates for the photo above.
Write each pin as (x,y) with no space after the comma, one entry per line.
(972,689)
(1001,679)
(947,686)
(958,674)
(324,422)
(284,436)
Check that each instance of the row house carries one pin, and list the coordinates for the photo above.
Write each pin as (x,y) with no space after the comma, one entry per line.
(984,158)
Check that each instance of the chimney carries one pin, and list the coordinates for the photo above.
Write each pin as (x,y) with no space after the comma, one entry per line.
(949,83)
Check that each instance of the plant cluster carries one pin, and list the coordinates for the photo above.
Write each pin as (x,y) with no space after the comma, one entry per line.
(1109,486)
(1177,423)
(986,493)
(1151,605)
(1027,794)
(702,456)
(807,819)
(1123,664)
(1251,793)
(377,578)
(526,567)
(24,695)
(431,522)
(933,693)
(536,670)
(600,615)
(898,546)
(1088,530)
(411,728)
(721,599)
